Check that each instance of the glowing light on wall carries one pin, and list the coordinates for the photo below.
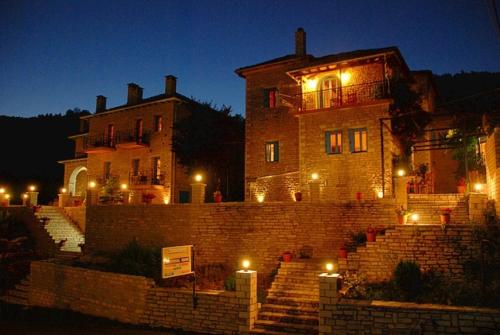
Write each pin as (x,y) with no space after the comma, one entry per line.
(198,177)
(345,78)
(7,196)
(260,198)
(124,186)
(401,172)
(245,264)
(314,176)
(32,188)
(478,187)
(2,190)
(92,184)
(25,196)
(380,194)
(311,84)
(415,217)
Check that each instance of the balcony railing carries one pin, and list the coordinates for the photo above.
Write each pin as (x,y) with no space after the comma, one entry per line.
(343,96)
(133,137)
(146,178)
(100,142)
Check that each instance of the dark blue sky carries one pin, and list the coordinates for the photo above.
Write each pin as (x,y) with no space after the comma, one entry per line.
(56,55)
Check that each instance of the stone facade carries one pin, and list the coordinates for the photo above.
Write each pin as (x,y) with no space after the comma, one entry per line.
(293,101)
(493,166)
(132,143)
(137,300)
(77,215)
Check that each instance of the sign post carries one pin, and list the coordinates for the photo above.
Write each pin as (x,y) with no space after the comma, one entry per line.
(179,261)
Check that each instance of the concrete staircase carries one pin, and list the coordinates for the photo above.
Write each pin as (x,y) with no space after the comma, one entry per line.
(292,304)
(428,207)
(64,233)
(19,295)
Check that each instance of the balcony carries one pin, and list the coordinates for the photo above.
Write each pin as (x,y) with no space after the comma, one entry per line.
(345,96)
(131,139)
(146,178)
(99,144)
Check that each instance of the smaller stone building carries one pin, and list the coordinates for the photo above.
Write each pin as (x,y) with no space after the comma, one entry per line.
(128,148)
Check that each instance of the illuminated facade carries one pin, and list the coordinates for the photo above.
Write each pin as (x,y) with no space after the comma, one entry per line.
(128,148)
(325,116)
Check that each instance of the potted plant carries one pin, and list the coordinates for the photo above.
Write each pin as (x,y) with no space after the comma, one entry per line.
(461,185)
(371,234)
(298,196)
(445,215)
(217,196)
(343,252)
(287,256)
(403,215)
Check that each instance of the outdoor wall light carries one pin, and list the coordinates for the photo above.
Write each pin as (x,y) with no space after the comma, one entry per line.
(260,198)
(314,176)
(198,177)
(478,187)
(63,190)
(7,196)
(414,218)
(25,196)
(401,173)
(245,264)
(92,184)
(329,268)
(2,190)
(124,186)
(380,194)
(311,84)
(32,188)
(345,77)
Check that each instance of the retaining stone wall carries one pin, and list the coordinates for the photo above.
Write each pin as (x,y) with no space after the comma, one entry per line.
(225,233)
(389,317)
(133,299)
(429,245)
(428,207)
(77,215)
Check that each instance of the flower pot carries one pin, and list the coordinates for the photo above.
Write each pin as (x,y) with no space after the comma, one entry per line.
(461,189)
(298,196)
(402,219)
(287,257)
(359,195)
(218,198)
(371,236)
(445,218)
(342,252)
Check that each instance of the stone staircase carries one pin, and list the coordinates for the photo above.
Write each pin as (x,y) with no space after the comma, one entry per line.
(19,295)
(428,207)
(292,304)
(60,228)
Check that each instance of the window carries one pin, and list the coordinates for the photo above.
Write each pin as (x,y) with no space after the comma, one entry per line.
(156,170)
(107,170)
(111,135)
(135,167)
(358,140)
(272,151)
(270,97)
(158,123)
(138,130)
(333,142)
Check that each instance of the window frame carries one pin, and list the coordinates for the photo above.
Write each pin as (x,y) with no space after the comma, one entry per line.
(352,132)
(158,123)
(266,102)
(275,153)
(328,145)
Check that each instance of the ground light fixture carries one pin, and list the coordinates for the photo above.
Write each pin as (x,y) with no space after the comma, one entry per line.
(414,218)
(245,264)
(329,268)
(478,187)
(63,190)
(2,190)
(380,194)
(32,188)
(198,177)
(401,172)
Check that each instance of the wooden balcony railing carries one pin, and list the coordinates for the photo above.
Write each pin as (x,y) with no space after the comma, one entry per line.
(343,96)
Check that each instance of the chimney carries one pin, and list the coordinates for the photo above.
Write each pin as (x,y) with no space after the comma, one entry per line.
(100,104)
(170,85)
(300,42)
(134,94)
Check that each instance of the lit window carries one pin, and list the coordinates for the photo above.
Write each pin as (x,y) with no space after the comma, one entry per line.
(158,123)
(272,151)
(333,142)
(358,140)
(270,97)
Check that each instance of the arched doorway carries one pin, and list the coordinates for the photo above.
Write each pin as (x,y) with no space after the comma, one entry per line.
(77,184)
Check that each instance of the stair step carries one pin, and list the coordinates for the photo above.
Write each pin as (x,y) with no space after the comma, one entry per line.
(289,318)
(293,301)
(294,293)
(295,286)
(288,328)
(14,300)
(291,310)
(266,332)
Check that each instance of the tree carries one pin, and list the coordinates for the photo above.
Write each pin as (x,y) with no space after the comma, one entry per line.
(210,139)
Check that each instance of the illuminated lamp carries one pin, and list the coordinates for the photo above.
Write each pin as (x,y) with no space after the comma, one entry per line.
(245,264)
(401,172)
(314,176)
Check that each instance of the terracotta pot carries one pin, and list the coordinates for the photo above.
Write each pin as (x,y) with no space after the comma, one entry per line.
(218,198)
(371,236)
(402,219)
(461,189)
(445,218)
(298,196)
(342,252)
(287,257)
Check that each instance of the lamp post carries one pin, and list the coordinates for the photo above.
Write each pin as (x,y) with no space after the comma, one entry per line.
(198,190)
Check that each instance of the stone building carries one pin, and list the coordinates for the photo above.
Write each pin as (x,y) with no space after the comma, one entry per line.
(322,123)
(129,147)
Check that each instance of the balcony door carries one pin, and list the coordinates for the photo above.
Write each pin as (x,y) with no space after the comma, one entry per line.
(156,170)
(138,130)
(329,94)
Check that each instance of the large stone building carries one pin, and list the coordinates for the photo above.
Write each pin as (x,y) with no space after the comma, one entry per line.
(130,146)
(323,122)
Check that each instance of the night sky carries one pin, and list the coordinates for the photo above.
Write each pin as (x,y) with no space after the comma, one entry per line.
(56,55)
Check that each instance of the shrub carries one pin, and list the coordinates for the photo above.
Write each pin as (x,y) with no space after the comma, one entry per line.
(408,279)
(137,260)
(230,283)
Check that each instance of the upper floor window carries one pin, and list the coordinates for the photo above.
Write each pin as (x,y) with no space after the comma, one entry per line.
(158,123)
(270,97)
(333,142)
(110,138)
(358,140)
(135,167)
(272,151)
(329,94)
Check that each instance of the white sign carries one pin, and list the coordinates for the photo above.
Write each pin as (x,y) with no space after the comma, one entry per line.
(176,261)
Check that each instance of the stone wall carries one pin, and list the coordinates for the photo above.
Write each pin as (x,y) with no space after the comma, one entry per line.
(77,215)
(345,316)
(136,300)
(428,207)
(228,232)
(429,245)
(492,156)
